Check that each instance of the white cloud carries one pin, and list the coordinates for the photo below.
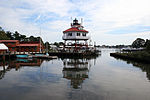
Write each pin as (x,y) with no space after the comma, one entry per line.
(101,18)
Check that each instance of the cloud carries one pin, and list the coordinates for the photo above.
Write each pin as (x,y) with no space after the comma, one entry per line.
(108,21)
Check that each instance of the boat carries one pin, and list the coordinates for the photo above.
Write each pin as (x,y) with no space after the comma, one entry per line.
(23,56)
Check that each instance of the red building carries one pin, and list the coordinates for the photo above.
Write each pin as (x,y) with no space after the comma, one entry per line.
(11,44)
(30,47)
(16,46)
(3,48)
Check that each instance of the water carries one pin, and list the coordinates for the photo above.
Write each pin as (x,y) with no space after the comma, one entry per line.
(103,78)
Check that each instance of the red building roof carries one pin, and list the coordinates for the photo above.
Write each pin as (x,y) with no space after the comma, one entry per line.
(28,45)
(74,29)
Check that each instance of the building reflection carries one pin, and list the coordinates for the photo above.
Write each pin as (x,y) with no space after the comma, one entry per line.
(76,70)
(17,64)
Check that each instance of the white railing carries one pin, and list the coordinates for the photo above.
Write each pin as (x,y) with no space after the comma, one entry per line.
(76,37)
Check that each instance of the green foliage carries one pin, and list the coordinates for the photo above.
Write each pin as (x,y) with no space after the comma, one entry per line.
(58,43)
(3,35)
(140,55)
(120,46)
(10,35)
(148,45)
(47,45)
(1,28)
(138,43)
(17,36)
(22,37)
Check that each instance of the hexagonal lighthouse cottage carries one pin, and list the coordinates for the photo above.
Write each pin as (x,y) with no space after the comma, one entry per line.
(75,38)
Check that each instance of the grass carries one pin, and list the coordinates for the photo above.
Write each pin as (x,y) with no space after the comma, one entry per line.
(142,56)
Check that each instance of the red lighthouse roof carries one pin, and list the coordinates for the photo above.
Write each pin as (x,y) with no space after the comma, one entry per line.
(74,29)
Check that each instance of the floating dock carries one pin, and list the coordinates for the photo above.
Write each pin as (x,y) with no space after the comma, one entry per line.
(7,56)
(72,54)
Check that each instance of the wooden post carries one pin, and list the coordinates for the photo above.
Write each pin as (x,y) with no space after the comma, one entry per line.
(9,55)
(64,45)
(4,56)
(75,45)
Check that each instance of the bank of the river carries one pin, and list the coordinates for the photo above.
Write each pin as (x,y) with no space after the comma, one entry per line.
(140,56)
(75,78)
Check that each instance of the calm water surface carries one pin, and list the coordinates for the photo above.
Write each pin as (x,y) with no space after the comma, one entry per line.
(101,78)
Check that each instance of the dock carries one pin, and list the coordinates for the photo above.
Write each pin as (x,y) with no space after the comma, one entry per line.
(72,54)
(7,56)
(44,57)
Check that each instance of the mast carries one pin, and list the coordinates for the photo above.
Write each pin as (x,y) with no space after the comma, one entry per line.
(40,40)
(40,44)
(81,21)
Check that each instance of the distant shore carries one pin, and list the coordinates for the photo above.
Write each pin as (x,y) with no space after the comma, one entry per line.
(140,56)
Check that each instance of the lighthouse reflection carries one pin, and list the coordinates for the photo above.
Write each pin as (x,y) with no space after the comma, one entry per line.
(76,70)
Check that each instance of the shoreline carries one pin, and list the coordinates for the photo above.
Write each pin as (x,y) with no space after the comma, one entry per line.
(135,56)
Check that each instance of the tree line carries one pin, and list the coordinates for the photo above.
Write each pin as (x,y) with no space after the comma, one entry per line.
(7,35)
(139,42)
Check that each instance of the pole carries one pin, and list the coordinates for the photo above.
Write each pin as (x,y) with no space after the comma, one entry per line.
(81,21)
(75,45)
(64,44)
(95,45)
(40,44)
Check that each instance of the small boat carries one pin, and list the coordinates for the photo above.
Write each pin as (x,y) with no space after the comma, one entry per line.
(43,56)
(23,56)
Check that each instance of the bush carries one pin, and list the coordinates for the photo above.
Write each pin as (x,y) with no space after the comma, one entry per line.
(148,45)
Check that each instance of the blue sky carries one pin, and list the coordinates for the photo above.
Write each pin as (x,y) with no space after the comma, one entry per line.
(109,22)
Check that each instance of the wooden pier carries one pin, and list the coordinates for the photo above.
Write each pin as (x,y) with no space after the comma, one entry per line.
(7,56)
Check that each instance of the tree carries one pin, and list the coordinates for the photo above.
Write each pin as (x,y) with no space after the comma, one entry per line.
(57,44)
(147,44)
(47,45)
(22,37)
(16,35)
(61,43)
(138,43)
(3,35)
(10,35)
(1,28)
(31,38)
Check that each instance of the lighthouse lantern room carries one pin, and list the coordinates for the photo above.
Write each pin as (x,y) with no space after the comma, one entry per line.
(75,38)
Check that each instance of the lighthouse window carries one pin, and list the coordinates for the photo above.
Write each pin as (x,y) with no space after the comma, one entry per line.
(78,34)
(83,34)
(69,34)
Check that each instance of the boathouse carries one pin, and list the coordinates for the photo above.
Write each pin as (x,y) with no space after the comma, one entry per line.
(17,46)
(3,48)
(30,47)
(11,44)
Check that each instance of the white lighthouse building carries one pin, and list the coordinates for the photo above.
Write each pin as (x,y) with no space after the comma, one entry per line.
(75,38)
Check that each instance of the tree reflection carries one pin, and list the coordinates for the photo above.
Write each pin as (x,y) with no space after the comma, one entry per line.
(145,67)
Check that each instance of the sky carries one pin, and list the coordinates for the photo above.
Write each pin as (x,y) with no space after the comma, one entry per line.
(109,22)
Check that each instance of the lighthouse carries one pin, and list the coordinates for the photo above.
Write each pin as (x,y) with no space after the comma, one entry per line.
(76,37)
